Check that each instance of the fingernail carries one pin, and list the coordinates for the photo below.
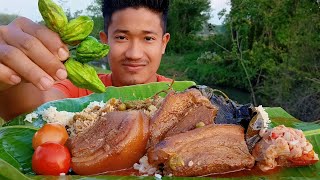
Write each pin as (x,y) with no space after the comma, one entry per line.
(45,83)
(61,74)
(63,54)
(15,79)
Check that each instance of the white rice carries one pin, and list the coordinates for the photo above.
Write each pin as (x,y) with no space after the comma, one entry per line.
(31,116)
(265,117)
(51,115)
(95,103)
(144,167)
(158,176)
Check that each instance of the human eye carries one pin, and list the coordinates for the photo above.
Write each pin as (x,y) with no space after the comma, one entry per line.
(149,38)
(120,37)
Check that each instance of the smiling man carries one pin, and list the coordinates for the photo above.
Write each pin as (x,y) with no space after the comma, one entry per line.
(31,68)
(137,39)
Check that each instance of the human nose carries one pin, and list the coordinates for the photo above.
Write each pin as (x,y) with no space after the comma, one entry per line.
(134,51)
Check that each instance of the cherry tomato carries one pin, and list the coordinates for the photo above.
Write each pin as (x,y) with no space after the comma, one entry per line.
(50,132)
(51,159)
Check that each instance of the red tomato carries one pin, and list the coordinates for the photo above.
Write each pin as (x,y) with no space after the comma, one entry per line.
(50,133)
(51,159)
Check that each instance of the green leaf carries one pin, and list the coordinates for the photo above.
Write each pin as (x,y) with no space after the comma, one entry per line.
(1,121)
(16,146)
(125,93)
(10,172)
(16,141)
(100,177)
(17,121)
(280,117)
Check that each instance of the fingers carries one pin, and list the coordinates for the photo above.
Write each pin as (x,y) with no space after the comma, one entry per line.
(35,51)
(31,52)
(8,76)
(14,59)
(50,39)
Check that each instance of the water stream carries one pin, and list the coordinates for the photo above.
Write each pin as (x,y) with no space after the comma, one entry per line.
(238,95)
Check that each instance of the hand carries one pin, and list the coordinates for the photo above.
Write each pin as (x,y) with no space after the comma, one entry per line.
(30,52)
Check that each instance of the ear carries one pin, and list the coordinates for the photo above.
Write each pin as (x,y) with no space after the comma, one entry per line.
(103,37)
(165,40)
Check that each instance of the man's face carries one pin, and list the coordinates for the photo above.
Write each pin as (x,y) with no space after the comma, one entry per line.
(136,41)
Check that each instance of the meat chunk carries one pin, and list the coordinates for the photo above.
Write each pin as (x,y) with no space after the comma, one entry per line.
(116,141)
(283,146)
(202,151)
(180,112)
(194,116)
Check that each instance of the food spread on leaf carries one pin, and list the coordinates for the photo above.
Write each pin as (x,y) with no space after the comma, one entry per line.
(196,132)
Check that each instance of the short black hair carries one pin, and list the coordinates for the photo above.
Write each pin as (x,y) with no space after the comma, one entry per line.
(111,6)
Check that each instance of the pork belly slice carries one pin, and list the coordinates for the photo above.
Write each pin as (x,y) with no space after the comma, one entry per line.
(116,141)
(202,151)
(196,116)
(180,112)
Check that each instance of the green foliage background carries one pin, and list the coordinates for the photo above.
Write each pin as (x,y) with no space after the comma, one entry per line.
(278,41)
(6,18)
(268,48)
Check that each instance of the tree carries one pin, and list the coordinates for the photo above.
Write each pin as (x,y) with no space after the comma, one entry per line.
(185,19)
(94,11)
(5,19)
(278,42)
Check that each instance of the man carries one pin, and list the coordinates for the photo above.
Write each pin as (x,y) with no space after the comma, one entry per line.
(31,56)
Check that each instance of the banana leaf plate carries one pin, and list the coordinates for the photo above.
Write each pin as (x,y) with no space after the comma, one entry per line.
(16,136)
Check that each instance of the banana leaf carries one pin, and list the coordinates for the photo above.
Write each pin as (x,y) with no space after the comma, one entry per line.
(126,93)
(279,116)
(16,146)
(16,136)
(1,121)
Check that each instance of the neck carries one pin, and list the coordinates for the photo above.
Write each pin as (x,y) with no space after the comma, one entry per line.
(117,83)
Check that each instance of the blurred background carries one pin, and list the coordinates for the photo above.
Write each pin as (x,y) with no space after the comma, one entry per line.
(265,52)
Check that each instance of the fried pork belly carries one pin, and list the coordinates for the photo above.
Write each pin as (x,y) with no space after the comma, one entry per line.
(87,117)
(196,116)
(202,151)
(283,146)
(115,141)
(180,112)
